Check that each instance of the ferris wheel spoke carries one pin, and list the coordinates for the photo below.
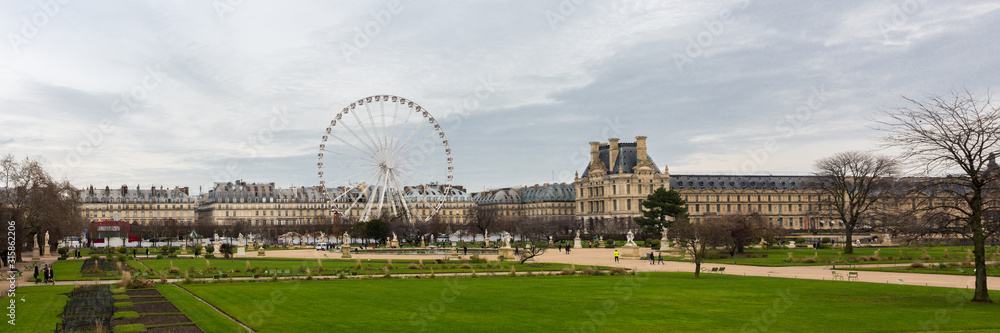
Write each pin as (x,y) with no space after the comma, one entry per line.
(347,166)
(370,170)
(419,163)
(349,155)
(370,149)
(365,130)
(402,153)
(416,127)
(422,173)
(371,120)
(402,198)
(395,131)
(385,130)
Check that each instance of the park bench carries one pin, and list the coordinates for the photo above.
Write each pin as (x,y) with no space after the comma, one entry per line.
(288,272)
(722,270)
(852,276)
(837,276)
(707,270)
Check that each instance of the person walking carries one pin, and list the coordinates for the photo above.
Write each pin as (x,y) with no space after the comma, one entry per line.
(567,248)
(616,255)
(651,262)
(35,277)
(559,247)
(465,250)
(52,275)
(660,259)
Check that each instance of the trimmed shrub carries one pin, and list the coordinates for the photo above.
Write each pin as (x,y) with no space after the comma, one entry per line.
(567,271)
(917,265)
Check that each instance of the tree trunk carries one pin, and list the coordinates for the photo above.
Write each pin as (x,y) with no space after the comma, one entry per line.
(849,244)
(697,267)
(979,252)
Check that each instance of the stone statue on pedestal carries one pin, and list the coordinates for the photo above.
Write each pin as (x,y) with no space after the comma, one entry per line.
(506,240)
(630,238)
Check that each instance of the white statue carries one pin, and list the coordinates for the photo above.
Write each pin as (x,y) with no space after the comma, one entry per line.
(216,237)
(46,239)
(394,239)
(506,240)
(240,240)
(486,234)
(347,238)
(432,239)
(630,239)
(578,234)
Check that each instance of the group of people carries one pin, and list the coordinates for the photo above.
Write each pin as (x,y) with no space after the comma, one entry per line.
(48,275)
(651,258)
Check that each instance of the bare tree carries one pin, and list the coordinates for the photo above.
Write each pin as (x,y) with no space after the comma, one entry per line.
(954,135)
(743,229)
(851,184)
(483,217)
(697,238)
(37,204)
(530,251)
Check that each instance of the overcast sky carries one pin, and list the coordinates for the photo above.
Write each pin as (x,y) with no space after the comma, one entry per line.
(184,93)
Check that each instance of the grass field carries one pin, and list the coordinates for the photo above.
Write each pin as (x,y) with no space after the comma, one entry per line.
(654,302)
(932,269)
(200,313)
(39,312)
(780,257)
(238,267)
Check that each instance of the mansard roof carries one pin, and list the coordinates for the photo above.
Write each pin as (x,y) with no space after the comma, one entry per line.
(739,182)
(624,162)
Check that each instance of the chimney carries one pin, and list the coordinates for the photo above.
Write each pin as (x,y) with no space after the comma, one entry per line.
(640,148)
(613,151)
(595,153)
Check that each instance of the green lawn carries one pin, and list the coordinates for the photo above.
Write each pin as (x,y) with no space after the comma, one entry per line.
(779,257)
(39,312)
(332,266)
(69,270)
(201,314)
(932,269)
(647,303)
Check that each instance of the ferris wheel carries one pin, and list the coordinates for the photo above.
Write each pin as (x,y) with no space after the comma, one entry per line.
(385,155)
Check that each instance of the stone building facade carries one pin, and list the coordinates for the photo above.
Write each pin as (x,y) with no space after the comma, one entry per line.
(135,205)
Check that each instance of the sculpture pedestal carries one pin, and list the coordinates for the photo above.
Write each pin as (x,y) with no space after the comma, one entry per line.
(454,251)
(665,245)
(36,254)
(577,243)
(394,244)
(241,251)
(345,251)
(629,252)
(215,248)
(506,253)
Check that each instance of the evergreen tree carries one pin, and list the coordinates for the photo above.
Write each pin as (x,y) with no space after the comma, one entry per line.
(662,209)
